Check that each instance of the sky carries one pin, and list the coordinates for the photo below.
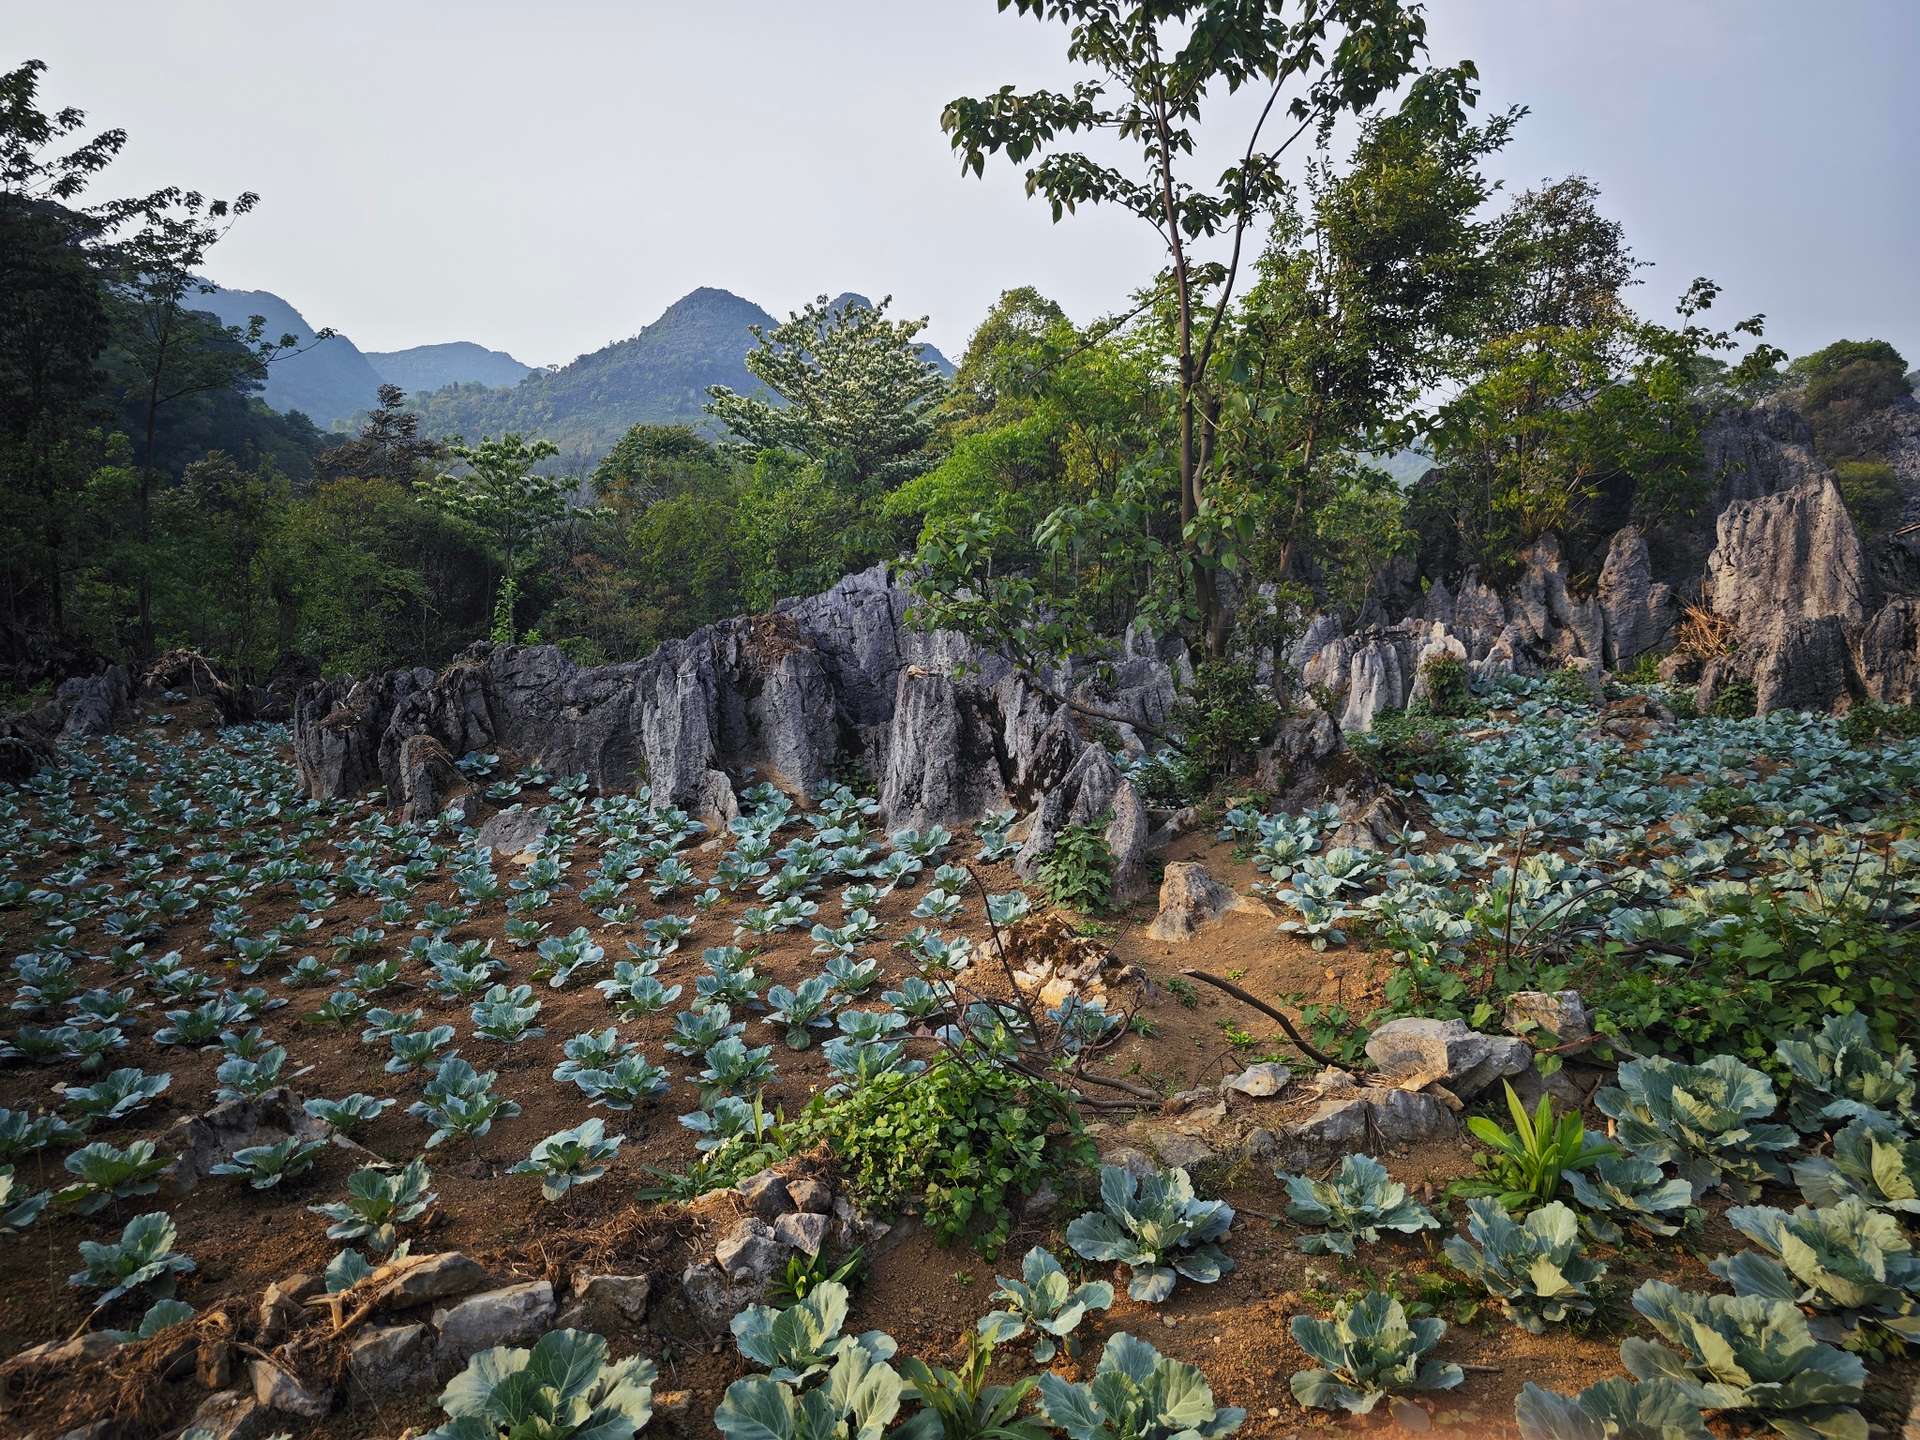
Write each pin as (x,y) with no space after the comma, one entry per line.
(546,178)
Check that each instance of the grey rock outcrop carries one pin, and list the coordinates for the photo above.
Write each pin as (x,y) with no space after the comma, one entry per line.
(1888,652)
(1638,610)
(1414,1052)
(787,695)
(1190,900)
(1791,555)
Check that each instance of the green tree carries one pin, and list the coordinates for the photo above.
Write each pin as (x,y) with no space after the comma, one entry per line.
(388,447)
(499,491)
(171,353)
(1155,68)
(858,394)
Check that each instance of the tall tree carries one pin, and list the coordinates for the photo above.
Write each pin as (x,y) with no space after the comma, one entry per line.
(500,491)
(171,351)
(859,395)
(53,322)
(388,447)
(1158,65)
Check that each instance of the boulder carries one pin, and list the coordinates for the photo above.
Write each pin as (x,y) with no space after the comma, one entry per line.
(750,1253)
(765,1195)
(1416,1052)
(1350,1117)
(1367,821)
(231,1415)
(511,834)
(429,780)
(96,704)
(200,1142)
(391,1360)
(515,1315)
(1190,899)
(814,1197)
(802,1231)
(283,1303)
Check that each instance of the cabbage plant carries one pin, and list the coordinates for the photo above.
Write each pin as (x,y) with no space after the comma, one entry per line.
(858,1400)
(1625,1188)
(105,1173)
(591,1050)
(1369,1351)
(697,1031)
(1355,1205)
(733,1068)
(265,1166)
(573,1157)
(1534,1268)
(1839,1074)
(1707,1119)
(507,1015)
(117,1095)
(459,1100)
(1849,1261)
(623,1084)
(1748,1353)
(796,1343)
(378,1201)
(1610,1410)
(1156,1227)
(19,1208)
(143,1258)
(349,1113)
(1043,1299)
(1137,1393)
(1879,1168)
(564,1388)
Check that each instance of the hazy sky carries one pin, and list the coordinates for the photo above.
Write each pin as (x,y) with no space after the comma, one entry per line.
(546,177)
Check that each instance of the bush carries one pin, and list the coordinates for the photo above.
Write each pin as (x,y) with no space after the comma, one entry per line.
(1870,490)
(1869,720)
(1735,700)
(1402,744)
(1449,693)
(965,1138)
(1077,873)
(1224,715)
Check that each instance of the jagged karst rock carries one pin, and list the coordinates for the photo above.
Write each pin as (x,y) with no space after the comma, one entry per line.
(943,764)
(429,780)
(1347,1117)
(96,704)
(1439,646)
(282,1303)
(1790,555)
(513,832)
(423,1279)
(1888,652)
(1091,790)
(231,1415)
(1379,678)
(1190,899)
(765,1195)
(802,1231)
(1417,1051)
(1638,610)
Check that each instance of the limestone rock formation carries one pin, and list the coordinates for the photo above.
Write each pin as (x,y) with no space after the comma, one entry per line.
(1638,611)
(1792,554)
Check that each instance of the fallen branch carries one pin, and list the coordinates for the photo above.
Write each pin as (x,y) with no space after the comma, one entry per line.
(1300,1041)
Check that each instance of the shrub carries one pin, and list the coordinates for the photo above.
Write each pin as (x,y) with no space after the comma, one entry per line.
(1870,491)
(1077,872)
(1224,715)
(1868,720)
(1525,1166)
(1449,692)
(1402,745)
(1735,700)
(965,1138)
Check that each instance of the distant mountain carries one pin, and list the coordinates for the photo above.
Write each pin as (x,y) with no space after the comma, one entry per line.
(330,382)
(458,362)
(659,376)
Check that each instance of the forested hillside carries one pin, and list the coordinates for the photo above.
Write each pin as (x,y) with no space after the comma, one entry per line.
(456,362)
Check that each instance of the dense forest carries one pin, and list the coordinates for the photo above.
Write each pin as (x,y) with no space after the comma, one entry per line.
(1207,458)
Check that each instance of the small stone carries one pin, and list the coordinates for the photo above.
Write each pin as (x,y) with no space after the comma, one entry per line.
(515,1315)
(806,1233)
(766,1195)
(1042,1201)
(423,1279)
(1135,1162)
(392,1359)
(1185,1151)
(750,1254)
(283,1303)
(1261,1081)
(1560,1018)
(815,1197)
(607,1302)
(274,1388)
(231,1415)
